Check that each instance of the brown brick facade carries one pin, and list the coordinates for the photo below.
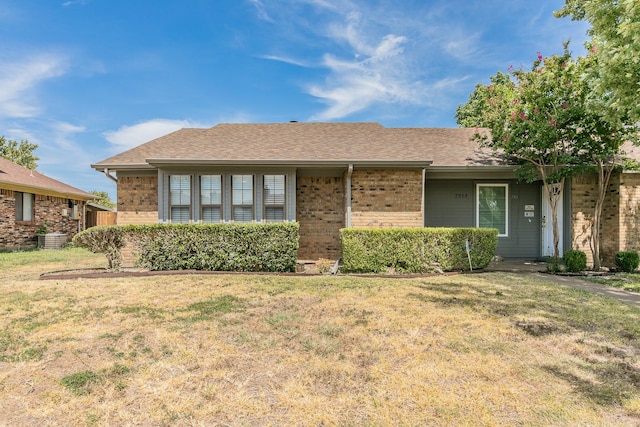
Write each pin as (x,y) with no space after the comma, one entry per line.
(55,211)
(320,212)
(386,198)
(620,230)
(137,200)
(630,212)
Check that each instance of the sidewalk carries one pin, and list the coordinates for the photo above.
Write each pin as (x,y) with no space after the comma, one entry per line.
(538,270)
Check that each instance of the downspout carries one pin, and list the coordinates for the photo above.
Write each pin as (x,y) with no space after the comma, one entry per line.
(348,196)
(111,177)
(424,194)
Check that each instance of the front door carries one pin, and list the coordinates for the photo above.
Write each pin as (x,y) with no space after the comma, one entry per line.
(547,223)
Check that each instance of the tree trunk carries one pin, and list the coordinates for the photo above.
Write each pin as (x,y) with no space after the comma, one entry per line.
(553,193)
(604,177)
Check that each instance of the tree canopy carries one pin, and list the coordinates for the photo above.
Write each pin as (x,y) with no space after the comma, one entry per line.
(103,199)
(615,43)
(548,120)
(19,153)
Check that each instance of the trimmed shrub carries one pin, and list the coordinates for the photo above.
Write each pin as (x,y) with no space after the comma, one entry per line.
(575,261)
(108,239)
(627,261)
(416,250)
(271,247)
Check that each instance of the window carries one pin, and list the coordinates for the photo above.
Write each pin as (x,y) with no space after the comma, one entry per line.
(180,198)
(242,198)
(493,207)
(24,206)
(274,198)
(211,198)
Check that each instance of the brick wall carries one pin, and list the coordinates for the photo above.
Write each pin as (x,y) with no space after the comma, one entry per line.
(49,209)
(584,191)
(386,198)
(320,212)
(137,200)
(630,212)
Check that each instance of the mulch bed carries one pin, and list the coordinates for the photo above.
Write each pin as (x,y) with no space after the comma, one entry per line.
(101,273)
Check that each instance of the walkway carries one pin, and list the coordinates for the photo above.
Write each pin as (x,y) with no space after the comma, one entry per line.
(538,269)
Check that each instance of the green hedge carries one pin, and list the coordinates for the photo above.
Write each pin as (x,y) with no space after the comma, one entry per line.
(416,250)
(217,247)
(220,247)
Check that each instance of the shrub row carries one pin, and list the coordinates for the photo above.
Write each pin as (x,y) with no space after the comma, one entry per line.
(416,250)
(220,247)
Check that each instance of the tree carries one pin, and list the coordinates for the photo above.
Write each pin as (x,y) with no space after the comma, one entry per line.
(615,34)
(547,119)
(21,153)
(103,199)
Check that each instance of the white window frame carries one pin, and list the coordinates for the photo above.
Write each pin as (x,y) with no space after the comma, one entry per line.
(220,205)
(241,203)
(171,205)
(25,202)
(268,204)
(506,205)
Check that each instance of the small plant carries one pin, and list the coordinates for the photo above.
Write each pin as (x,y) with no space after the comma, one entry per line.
(575,261)
(627,261)
(553,265)
(43,228)
(324,265)
(80,383)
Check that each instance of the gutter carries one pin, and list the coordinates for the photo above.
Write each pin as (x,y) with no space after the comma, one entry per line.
(108,175)
(348,196)
(396,163)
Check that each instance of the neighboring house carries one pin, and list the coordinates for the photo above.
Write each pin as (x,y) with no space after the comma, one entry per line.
(328,176)
(29,200)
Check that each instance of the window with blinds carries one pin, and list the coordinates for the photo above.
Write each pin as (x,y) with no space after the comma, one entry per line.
(242,198)
(180,198)
(493,207)
(274,197)
(25,203)
(211,198)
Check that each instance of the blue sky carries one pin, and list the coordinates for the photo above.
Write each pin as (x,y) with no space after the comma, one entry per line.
(86,79)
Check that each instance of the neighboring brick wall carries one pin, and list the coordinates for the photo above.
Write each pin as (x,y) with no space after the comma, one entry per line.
(320,212)
(49,209)
(386,198)
(584,191)
(630,212)
(137,200)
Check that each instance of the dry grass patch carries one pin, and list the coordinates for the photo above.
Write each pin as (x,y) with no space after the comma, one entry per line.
(488,349)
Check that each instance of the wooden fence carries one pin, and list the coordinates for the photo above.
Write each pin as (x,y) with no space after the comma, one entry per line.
(101,218)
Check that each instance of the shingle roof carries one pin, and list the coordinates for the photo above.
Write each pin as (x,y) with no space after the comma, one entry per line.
(300,143)
(16,175)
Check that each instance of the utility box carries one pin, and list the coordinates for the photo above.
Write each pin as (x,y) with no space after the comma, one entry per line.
(52,240)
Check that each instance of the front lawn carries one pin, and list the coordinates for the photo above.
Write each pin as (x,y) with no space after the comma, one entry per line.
(478,349)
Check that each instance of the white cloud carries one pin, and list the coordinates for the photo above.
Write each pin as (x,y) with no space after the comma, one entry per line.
(261,10)
(378,74)
(73,2)
(18,82)
(131,136)
(286,60)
